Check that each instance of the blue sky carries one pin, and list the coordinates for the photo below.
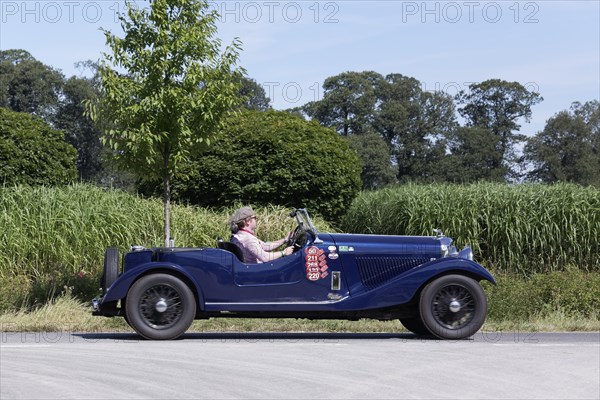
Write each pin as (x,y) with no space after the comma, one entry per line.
(290,47)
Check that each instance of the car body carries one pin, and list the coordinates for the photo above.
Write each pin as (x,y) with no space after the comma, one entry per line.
(421,280)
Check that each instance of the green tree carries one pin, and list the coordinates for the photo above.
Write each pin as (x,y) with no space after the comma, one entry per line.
(27,85)
(497,106)
(174,91)
(472,157)
(80,130)
(8,60)
(375,156)
(33,153)
(15,56)
(253,95)
(272,157)
(568,149)
(399,108)
(348,102)
(412,122)
(416,124)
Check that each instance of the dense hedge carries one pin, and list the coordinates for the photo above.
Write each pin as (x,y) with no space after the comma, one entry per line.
(513,228)
(271,157)
(33,153)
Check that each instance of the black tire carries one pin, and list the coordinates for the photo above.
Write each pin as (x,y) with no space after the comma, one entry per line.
(160,307)
(453,307)
(111,268)
(415,325)
(127,319)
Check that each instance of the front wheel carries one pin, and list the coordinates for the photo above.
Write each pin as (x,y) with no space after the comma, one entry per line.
(415,325)
(453,307)
(160,307)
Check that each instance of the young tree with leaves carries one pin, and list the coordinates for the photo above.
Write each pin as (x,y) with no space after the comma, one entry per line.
(165,88)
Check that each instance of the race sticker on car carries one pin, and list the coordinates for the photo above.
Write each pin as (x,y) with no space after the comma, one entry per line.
(315,263)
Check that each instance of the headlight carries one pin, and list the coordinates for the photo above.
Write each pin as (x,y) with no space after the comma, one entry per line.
(445,243)
(466,253)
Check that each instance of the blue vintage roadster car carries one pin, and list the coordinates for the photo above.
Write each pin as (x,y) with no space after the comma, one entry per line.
(420,280)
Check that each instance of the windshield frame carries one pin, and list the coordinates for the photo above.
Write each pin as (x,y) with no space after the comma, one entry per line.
(304,221)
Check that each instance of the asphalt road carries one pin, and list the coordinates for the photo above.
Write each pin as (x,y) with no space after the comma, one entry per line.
(299,366)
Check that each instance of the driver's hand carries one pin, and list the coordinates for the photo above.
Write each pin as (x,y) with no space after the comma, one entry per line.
(288,250)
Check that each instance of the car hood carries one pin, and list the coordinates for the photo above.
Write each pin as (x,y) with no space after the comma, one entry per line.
(362,244)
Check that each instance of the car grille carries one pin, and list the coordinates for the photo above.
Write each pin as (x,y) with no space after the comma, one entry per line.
(375,271)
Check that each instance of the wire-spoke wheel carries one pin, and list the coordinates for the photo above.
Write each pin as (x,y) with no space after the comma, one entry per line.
(453,307)
(160,306)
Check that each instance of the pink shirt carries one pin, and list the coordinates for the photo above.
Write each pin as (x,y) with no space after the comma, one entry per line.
(253,248)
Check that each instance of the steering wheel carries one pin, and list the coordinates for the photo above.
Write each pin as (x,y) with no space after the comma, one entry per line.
(292,238)
(298,239)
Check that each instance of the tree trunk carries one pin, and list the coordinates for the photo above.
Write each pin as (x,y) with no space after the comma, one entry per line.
(167,197)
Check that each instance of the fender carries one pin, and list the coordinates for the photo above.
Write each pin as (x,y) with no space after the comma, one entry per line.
(403,288)
(119,289)
(448,265)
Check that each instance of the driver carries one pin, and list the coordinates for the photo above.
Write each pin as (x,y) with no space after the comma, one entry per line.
(243,225)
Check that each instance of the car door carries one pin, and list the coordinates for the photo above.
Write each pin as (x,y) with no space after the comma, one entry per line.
(311,274)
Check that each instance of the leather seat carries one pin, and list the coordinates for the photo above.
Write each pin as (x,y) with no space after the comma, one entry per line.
(231,247)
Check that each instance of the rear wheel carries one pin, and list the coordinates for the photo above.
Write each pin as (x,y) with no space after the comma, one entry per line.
(453,307)
(160,307)
(111,268)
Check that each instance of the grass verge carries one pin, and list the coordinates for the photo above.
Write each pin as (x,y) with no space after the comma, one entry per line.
(66,314)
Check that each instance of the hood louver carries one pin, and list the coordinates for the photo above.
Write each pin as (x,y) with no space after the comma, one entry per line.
(375,271)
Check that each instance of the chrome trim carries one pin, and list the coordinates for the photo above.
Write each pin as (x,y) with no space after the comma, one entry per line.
(454,306)
(466,253)
(445,247)
(452,251)
(336,281)
(279,303)
(96,304)
(301,215)
(161,306)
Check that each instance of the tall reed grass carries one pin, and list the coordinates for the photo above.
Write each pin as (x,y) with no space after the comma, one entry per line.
(522,229)
(52,238)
